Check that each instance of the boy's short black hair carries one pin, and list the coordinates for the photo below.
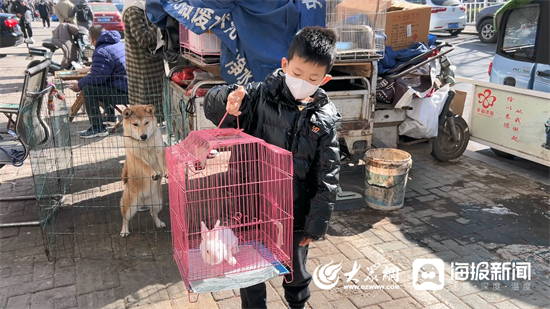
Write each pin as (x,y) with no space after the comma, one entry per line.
(314,44)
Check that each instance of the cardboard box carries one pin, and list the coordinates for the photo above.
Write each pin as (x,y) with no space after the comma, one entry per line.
(357,69)
(457,105)
(407,23)
(349,8)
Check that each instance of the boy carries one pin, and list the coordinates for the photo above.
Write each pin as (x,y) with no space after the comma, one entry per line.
(289,110)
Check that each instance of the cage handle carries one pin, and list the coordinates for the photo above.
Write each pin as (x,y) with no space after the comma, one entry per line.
(227,113)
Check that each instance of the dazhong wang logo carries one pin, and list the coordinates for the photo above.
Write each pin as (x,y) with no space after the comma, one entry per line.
(326,276)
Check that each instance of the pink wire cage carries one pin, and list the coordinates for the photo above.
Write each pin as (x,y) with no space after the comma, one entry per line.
(246,184)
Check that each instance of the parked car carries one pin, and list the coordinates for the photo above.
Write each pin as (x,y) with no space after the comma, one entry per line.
(10,33)
(484,24)
(107,15)
(447,15)
(120,7)
(522,57)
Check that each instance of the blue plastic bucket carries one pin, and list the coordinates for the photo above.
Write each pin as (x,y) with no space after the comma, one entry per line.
(386,173)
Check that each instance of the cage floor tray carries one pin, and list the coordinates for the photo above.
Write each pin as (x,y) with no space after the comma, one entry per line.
(242,274)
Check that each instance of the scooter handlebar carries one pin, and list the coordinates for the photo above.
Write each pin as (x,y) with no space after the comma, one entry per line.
(422,56)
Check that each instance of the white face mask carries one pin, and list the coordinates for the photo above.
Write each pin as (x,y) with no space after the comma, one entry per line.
(299,88)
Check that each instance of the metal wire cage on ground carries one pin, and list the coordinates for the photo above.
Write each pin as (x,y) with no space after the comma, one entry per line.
(360,27)
(243,183)
(79,183)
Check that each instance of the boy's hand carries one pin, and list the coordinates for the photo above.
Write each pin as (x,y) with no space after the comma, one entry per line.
(234,100)
(305,241)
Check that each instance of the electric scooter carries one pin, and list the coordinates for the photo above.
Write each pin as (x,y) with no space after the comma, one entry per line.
(453,132)
(81,41)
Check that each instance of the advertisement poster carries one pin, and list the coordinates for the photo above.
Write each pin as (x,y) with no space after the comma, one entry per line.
(514,120)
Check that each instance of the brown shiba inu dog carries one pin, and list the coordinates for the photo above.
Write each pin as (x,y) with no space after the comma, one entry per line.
(144,166)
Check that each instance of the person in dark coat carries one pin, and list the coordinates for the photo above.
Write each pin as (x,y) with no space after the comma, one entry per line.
(5,6)
(106,82)
(290,111)
(25,14)
(35,10)
(44,11)
(83,14)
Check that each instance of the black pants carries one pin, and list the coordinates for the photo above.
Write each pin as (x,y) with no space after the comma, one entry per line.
(25,28)
(296,292)
(94,94)
(45,19)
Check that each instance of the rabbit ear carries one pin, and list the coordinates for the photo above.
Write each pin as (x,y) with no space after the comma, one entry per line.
(204,229)
(217,224)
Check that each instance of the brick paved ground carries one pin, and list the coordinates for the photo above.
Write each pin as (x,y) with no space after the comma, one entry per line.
(445,216)
(453,211)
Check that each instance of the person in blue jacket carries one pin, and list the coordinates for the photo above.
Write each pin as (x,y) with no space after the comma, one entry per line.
(106,82)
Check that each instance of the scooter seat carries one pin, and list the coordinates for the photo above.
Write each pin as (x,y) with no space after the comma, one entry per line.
(50,46)
(35,51)
(40,52)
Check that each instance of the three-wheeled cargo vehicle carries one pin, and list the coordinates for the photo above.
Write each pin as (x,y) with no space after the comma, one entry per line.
(511,114)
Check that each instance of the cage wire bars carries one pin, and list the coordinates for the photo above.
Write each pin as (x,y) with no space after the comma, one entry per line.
(79,180)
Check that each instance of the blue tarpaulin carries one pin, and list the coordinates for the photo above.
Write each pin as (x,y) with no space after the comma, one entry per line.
(394,58)
(255,35)
(155,13)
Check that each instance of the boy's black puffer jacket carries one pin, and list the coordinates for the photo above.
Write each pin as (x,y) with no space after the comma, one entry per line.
(269,112)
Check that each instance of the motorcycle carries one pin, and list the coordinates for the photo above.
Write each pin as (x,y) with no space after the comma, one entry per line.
(453,132)
(82,42)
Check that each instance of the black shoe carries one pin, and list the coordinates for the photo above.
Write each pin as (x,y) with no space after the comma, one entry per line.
(91,132)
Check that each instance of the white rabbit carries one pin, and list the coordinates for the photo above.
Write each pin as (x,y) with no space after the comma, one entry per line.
(218,244)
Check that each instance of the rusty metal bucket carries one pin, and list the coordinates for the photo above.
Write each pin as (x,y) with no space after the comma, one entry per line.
(386,173)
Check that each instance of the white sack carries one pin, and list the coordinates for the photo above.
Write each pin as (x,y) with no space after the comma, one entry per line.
(423,120)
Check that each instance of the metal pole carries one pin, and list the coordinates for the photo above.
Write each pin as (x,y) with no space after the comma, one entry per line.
(28,197)
(18,198)
(18,224)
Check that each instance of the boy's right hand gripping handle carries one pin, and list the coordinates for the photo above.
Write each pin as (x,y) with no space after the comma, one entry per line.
(234,101)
